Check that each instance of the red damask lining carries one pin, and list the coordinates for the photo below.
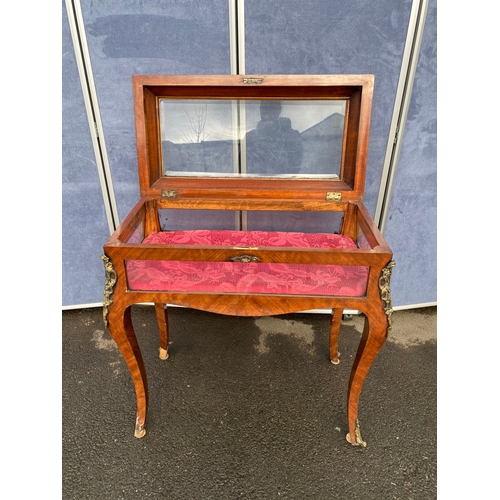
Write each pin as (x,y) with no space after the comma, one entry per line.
(253,277)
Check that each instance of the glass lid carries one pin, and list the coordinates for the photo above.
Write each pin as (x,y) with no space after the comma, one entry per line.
(252,138)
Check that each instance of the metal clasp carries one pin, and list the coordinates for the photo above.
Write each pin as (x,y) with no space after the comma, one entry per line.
(168,193)
(252,80)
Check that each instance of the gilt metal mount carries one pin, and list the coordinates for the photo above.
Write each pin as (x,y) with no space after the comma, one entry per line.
(385,292)
(357,433)
(140,431)
(109,285)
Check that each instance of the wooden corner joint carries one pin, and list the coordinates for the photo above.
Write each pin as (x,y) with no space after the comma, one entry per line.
(384,283)
(109,285)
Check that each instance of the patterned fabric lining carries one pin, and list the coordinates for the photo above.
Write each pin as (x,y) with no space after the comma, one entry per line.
(254,277)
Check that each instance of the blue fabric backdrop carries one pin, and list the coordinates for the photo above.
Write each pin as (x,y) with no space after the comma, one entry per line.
(411,227)
(333,36)
(124,38)
(325,36)
(84,223)
(136,37)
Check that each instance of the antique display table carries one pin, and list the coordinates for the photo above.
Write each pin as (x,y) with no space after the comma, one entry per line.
(251,205)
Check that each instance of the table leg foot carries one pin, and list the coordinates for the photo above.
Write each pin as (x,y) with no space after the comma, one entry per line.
(140,430)
(163,353)
(356,440)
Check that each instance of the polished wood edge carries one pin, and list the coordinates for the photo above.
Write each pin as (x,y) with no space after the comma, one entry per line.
(232,304)
(366,80)
(248,186)
(336,256)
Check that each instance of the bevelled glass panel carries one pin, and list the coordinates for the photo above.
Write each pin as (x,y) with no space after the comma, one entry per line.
(252,138)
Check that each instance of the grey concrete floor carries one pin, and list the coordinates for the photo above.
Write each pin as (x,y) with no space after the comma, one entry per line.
(248,408)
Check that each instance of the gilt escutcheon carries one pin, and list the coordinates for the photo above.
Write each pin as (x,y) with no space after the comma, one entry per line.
(245,258)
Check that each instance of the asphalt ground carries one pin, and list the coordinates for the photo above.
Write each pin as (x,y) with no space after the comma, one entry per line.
(248,408)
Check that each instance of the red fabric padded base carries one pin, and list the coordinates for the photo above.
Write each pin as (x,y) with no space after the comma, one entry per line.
(251,278)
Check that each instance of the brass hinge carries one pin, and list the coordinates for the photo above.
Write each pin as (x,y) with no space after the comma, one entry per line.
(333,196)
(168,193)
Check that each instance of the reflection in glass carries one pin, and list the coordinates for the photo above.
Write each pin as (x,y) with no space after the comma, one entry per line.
(269,138)
(197,137)
(273,147)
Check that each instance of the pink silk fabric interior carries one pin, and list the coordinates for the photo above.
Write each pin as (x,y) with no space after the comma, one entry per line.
(252,277)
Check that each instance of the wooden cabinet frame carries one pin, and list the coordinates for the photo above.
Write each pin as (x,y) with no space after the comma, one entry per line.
(342,194)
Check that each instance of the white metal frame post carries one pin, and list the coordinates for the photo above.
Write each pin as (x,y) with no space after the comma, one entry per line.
(92,107)
(401,105)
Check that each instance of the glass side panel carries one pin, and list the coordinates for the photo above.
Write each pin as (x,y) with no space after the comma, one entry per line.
(259,220)
(247,278)
(362,239)
(252,138)
(137,235)
(303,222)
(186,220)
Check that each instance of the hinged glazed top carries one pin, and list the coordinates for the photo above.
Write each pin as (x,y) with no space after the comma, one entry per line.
(265,136)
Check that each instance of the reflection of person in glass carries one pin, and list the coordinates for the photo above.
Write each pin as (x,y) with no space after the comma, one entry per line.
(273,147)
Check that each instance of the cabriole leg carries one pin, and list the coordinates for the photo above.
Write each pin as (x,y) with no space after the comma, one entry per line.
(162,317)
(378,325)
(121,329)
(372,340)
